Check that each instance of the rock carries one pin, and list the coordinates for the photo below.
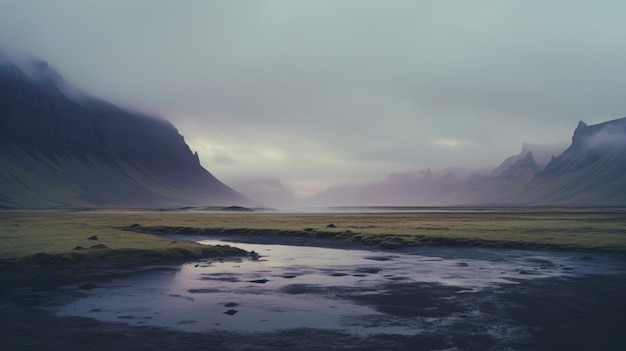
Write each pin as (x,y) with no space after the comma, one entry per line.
(524,272)
(254,256)
(379,258)
(259,281)
(231,304)
(231,312)
(87,286)
(189,321)
(368,270)
(99,246)
(78,248)
(331,226)
(202,291)
(93,237)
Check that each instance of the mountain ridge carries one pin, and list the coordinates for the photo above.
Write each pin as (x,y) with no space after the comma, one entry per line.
(60,150)
(590,172)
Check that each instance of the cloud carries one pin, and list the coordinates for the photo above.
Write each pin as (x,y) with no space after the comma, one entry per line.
(447,142)
(609,136)
(326,92)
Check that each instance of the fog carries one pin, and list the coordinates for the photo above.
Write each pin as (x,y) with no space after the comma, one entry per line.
(324,93)
(608,137)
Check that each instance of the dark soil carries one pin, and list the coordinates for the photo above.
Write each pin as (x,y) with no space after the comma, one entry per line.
(587,313)
(581,313)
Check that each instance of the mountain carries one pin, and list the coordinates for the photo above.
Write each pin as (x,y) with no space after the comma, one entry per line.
(399,189)
(61,147)
(542,154)
(271,190)
(590,172)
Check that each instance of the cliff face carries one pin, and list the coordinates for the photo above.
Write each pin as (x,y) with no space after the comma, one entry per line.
(61,147)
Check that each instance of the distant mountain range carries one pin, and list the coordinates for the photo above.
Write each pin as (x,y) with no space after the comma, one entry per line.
(60,147)
(590,172)
(270,190)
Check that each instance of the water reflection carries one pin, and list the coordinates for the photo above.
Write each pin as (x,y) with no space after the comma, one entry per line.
(297,286)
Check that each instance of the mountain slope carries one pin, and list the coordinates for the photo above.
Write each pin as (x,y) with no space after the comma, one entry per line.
(590,172)
(542,154)
(271,190)
(60,147)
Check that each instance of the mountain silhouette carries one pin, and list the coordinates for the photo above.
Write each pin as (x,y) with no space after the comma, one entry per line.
(61,147)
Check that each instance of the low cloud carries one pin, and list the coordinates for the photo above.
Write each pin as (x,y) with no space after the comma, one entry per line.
(320,92)
(610,136)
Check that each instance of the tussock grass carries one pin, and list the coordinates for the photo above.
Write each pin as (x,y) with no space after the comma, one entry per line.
(62,238)
(596,231)
(129,236)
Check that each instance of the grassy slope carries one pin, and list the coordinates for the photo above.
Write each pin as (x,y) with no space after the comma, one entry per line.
(580,176)
(34,182)
(40,181)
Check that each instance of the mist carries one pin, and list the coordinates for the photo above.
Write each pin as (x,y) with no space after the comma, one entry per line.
(607,137)
(323,93)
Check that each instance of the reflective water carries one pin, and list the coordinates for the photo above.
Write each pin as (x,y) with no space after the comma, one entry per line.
(292,286)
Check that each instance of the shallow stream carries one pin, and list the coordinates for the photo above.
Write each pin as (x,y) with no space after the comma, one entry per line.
(316,287)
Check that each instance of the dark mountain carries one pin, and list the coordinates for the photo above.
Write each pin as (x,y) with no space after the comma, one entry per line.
(61,147)
(590,172)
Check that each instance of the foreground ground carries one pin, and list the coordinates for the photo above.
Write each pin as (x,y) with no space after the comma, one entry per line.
(579,313)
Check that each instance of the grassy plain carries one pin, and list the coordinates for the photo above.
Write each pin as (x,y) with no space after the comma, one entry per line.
(90,238)
(129,235)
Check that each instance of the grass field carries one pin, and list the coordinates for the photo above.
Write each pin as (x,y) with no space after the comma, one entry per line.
(129,235)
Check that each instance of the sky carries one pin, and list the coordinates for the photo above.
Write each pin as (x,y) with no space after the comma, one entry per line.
(320,93)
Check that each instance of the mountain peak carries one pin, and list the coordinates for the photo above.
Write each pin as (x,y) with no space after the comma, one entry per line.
(37,70)
(529,157)
(523,167)
(601,135)
(56,150)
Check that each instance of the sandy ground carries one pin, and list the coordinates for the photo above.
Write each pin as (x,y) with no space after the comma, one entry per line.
(565,313)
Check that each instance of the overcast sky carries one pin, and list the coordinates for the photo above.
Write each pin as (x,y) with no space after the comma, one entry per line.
(321,93)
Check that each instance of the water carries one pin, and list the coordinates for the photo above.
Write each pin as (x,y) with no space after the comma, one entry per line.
(301,287)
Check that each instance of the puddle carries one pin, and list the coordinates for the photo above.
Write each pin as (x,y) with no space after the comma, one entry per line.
(311,287)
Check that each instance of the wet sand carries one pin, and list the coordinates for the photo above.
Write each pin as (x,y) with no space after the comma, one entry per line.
(550,313)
